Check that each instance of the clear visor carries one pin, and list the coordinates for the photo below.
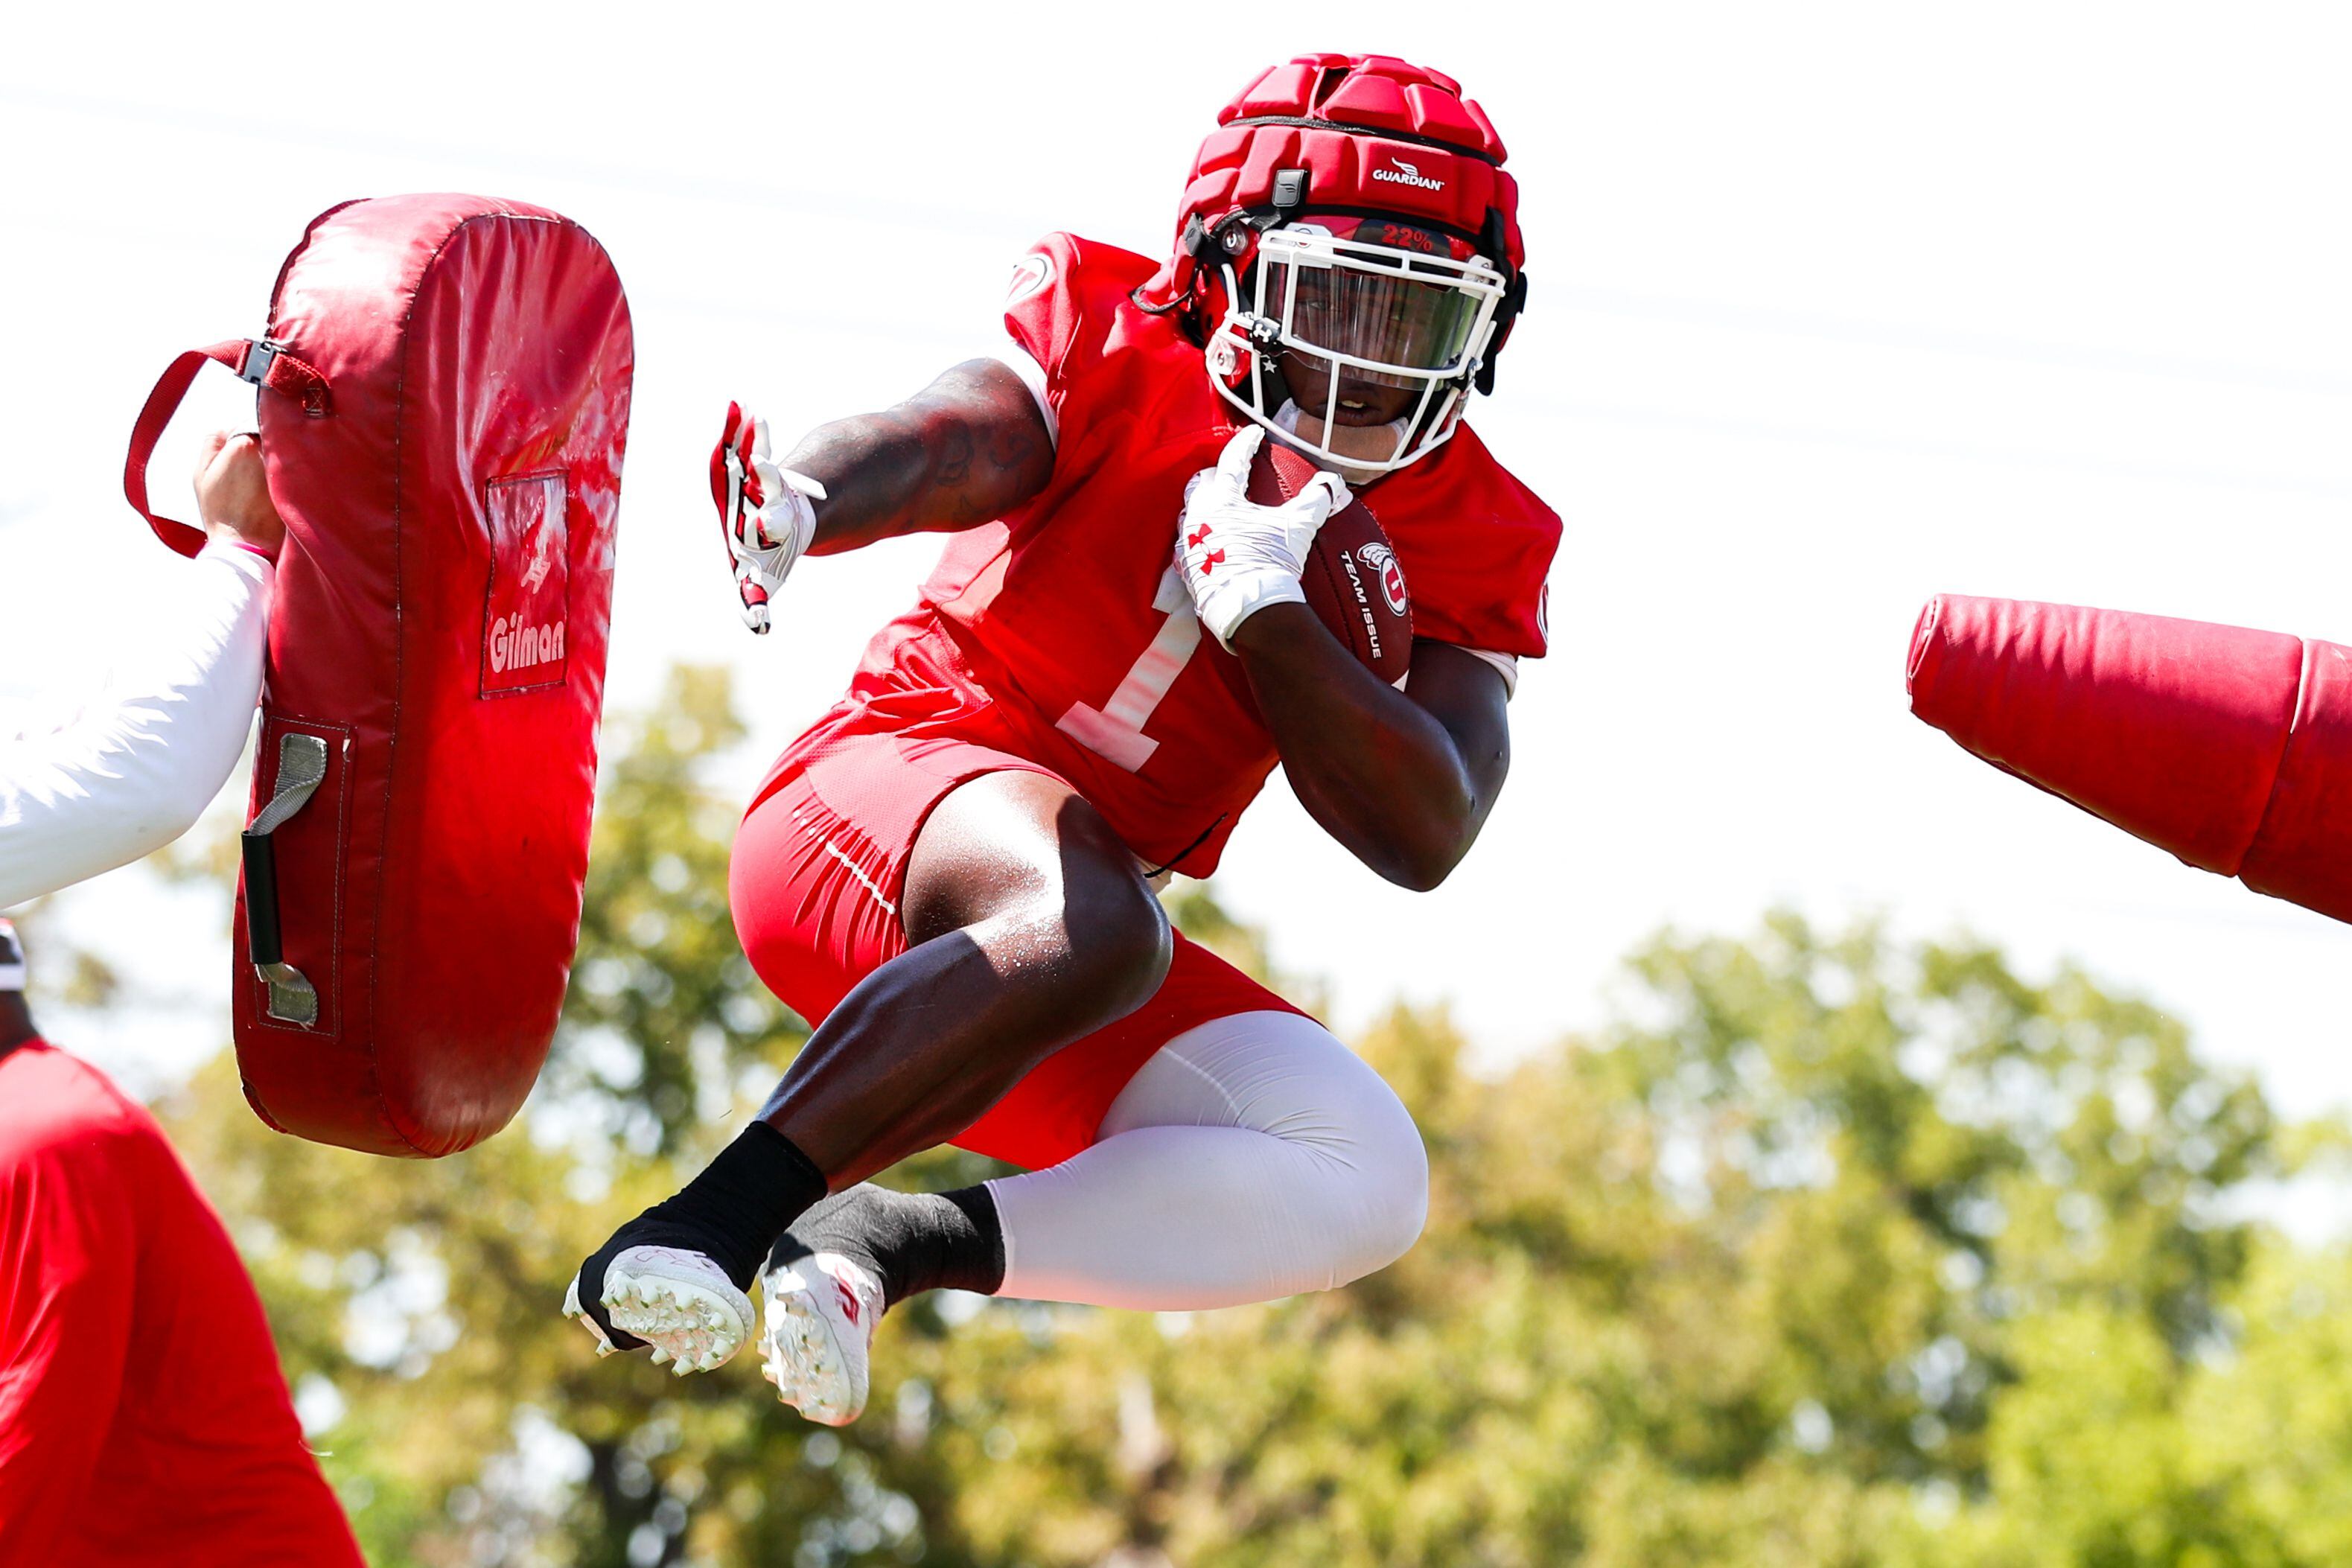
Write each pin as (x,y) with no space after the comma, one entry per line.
(1374,318)
(1375,342)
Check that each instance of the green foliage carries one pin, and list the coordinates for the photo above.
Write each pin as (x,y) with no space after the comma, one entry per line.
(664,1008)
(1835,1250)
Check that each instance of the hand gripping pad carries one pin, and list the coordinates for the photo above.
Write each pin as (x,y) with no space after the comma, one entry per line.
(439,633)
(2230,748)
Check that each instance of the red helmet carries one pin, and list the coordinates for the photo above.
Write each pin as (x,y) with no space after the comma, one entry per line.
(1348,221)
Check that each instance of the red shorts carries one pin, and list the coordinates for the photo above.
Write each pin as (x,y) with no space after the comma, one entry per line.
(818,868)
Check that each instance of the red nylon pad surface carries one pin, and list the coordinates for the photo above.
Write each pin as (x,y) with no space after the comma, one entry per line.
(443,600)
(2171,730)
(2232,748)
(2304,852)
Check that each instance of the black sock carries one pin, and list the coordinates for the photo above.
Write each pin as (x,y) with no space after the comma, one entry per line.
(913,1242)
(743,1200)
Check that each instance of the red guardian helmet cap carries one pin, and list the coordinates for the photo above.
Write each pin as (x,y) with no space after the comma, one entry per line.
(1351,211)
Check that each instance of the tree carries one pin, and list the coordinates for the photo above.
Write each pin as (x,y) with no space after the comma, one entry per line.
(1834,1250)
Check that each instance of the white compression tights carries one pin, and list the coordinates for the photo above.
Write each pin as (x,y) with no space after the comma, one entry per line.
(1253,1157)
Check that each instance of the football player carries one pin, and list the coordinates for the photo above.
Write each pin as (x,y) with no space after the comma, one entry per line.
(951,875)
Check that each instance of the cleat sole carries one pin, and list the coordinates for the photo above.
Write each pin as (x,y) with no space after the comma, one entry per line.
(681,1304)
(571,1309)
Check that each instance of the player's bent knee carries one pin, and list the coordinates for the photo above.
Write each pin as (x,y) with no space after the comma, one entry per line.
(1394,1201)
(1381,1167)
(1119,941)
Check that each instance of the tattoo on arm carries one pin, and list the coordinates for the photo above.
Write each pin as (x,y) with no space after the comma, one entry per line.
(950,443)
(965,450)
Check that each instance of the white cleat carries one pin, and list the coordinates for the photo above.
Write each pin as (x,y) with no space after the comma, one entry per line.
(604,1347)
(679,1301)
(818,1346)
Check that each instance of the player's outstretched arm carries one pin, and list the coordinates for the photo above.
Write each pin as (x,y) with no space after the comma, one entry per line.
(966,450)
(1403,779)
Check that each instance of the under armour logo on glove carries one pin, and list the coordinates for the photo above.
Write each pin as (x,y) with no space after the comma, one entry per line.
(1260,550)
(764,512)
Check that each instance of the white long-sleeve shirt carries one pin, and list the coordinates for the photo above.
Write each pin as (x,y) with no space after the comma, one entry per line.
(135,766)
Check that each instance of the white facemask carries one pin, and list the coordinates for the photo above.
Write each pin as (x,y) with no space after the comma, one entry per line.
(1286,420)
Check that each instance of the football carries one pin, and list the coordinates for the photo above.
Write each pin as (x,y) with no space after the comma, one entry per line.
(1352,579)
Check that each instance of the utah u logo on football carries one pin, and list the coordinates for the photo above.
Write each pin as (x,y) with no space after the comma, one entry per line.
(1381,562)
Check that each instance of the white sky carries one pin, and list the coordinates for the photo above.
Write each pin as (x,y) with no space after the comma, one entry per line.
(1834,308)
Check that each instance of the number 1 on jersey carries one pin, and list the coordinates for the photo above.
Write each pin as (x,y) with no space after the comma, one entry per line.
(1115,730)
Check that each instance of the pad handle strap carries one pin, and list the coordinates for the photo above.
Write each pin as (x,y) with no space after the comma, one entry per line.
(261,361)
(302,768)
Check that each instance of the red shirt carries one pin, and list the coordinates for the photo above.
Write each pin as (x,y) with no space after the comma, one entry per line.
(143,1415)
(1062,633)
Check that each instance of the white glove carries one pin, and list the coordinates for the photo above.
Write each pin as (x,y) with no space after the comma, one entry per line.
(763,512)
(1236,557)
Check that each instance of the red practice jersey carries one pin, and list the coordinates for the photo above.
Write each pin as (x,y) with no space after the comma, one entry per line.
(143,1416)
(1062,633)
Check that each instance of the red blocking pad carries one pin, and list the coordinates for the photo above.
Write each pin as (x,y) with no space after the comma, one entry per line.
(2230,748)
(443,392)
(2303,852)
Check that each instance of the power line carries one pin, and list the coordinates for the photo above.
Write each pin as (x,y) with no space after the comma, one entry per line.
(2008,456)
(995,223)
(1943,340)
